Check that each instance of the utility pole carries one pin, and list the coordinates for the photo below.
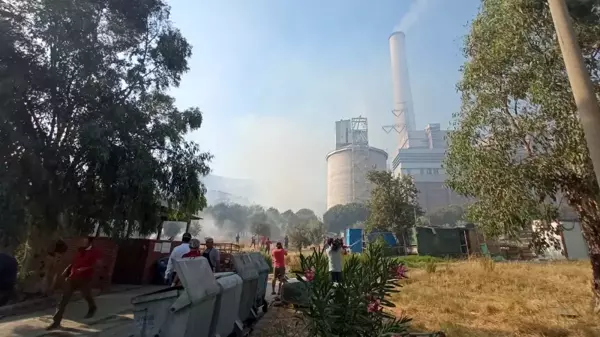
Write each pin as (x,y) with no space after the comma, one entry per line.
(581,83)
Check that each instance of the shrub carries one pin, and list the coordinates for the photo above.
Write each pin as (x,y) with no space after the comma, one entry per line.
(417,261)
(355,307)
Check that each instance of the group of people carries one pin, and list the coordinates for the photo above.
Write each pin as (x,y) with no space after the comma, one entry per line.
(265,243)
(334,248)
(189,249)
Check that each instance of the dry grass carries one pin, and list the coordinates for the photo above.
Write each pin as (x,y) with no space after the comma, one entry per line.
(482,299)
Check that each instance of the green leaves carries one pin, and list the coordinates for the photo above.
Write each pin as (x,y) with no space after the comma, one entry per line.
(90,133)
(393,205)
(340,217)
(517,147)
(351,308)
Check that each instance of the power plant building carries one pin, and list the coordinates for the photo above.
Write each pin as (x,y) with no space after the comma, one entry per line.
(420,153)
(349,163)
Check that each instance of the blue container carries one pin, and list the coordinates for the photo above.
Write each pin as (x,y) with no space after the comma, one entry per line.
(388,237)
(354,239)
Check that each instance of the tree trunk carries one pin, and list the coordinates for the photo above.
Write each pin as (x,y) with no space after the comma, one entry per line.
(589,214)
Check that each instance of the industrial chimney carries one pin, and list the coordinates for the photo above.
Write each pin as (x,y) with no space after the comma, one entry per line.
(403,105)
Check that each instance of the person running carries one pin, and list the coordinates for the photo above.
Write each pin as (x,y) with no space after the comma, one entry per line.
(278,255)
(8,277)
(286,241)
(334,253)
(212,255)
(79,276)
(176,254)
(268,245)
(253,242)
(192,254)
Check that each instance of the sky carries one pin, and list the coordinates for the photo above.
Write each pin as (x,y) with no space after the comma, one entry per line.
(273,76)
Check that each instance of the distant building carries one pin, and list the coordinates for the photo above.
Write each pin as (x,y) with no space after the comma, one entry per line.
(423,159)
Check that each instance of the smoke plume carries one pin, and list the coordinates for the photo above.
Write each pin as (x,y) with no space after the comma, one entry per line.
(416,9)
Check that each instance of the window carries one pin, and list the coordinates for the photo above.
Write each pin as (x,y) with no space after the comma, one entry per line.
(422,171)
(429,171)
(436,171)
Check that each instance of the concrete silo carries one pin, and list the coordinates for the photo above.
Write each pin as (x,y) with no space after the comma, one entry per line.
(349,163)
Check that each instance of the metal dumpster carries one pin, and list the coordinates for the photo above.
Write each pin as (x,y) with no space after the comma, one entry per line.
(263,280)
(245,268)
(180,311)
(226,315)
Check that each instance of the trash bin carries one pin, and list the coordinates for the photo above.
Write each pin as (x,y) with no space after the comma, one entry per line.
(245,268)
(226,315)
(295,292)
(180,311)
(263,280)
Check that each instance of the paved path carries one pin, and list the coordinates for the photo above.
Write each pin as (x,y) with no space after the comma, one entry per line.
(113,316)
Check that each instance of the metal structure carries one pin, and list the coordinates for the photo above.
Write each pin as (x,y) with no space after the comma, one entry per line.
(349,163)
(403,105)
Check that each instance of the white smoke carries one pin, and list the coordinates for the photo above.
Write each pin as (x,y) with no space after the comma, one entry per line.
(416,9)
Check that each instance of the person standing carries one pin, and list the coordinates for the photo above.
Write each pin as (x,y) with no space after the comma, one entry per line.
(8,277)
(253,242)
(278,255)
(176,254)
(334,253)
(237,238)
(192,254)
(194,250)
(286,241)
(212,255)
(268,245)
(79,276)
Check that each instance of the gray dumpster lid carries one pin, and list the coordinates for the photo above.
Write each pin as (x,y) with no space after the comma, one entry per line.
(259,260)
(197,278)
(245,266)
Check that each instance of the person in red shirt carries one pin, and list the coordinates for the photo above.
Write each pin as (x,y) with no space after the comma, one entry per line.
(78,276)
(278,255)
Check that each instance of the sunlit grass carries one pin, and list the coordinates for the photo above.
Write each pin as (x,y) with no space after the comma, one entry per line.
(474,299)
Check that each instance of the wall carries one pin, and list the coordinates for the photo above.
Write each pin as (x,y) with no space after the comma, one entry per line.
(345,170)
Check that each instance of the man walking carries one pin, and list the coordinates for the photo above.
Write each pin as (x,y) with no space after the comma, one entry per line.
(278,255)
(212,255)
(176,254)
(79,276)
(8,277)
(253,242)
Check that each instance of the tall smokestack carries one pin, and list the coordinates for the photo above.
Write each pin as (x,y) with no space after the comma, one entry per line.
(403,104)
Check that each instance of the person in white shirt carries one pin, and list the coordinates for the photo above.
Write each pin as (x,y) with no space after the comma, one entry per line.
(334,253)
(176,254)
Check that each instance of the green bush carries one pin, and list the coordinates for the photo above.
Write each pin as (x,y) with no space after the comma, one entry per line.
(417,261)
(355,307)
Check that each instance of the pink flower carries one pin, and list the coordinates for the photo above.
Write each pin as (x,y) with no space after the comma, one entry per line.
(374,306)
(309,275)
(401,271)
